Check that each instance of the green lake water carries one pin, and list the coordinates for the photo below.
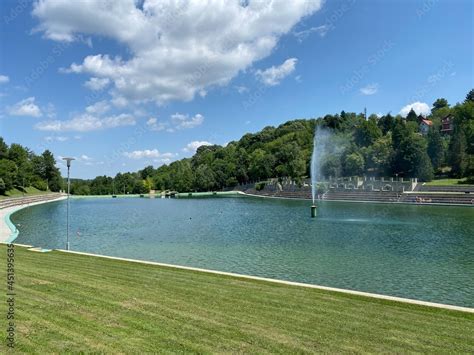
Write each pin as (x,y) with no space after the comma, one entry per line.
(419,252)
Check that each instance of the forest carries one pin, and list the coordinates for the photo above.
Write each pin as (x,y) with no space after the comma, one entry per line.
(384,145)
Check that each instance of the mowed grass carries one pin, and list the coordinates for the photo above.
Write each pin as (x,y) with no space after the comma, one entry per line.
(29,191)
(67,302)
(446,182)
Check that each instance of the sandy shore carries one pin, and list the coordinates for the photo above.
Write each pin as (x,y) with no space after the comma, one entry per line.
(8,231)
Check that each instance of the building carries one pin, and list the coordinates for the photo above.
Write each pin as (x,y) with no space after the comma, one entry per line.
(447,124)
(425,126)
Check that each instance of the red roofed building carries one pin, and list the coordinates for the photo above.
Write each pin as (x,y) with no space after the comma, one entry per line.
(425,126)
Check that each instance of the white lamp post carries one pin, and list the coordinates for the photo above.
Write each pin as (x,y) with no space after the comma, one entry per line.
(68,161)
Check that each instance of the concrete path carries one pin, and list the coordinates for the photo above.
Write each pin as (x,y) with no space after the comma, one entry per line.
(7,230)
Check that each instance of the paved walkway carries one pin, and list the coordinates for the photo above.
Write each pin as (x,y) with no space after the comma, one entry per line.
(8,206)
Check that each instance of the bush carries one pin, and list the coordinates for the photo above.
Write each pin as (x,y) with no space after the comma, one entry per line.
(259,186)
(40,185)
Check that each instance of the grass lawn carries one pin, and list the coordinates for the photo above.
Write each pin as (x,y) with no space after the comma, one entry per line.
(29,191)
(446,182)
(87,304)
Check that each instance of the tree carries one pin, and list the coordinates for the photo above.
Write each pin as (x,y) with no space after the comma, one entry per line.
(204,178)
(379,155)
(412,116)
(470,96)
(354,164)
(457,153)
(3,149)
(439,104)
(51,172)
(8,173)
(435,148)
(3,187)
(367,133)
(386,123)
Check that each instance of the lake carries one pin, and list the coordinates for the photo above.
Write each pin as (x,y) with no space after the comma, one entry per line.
(412,251)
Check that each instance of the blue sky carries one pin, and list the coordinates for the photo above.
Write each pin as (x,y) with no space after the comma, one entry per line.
(127,85)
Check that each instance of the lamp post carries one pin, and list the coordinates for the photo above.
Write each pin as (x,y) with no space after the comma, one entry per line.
(68,161)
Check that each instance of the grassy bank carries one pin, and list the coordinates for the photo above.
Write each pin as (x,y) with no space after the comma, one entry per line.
(80,303)
(29,191)
(446,182)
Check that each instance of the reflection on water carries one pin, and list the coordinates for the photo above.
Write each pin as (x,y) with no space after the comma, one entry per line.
(422,252)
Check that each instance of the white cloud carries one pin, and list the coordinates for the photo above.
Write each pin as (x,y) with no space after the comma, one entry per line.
(370,89)
(87,122)
(26,107)
(4,79)
(97,84)
(149,153)
(193,146)
(182,121)
(178,48)
(320,30)
(155,125)
(56,138)
(98,108)
(420,108)
(273,75)
(241,89)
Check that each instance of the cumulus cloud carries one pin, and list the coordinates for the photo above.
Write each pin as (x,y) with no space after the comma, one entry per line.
(97,84)
(273,75)
(56,139)
(176,122)
(193,146)
(420,108)
(98,108)
(370,89)
(150,154)
(181,121)
(320,30)
(26,107)
(87,122)
(4,79)
(178,48)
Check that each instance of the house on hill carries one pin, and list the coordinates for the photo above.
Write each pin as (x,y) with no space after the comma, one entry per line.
(447,124)
(425,126)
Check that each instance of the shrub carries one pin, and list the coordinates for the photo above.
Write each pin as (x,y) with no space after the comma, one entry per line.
(259,186)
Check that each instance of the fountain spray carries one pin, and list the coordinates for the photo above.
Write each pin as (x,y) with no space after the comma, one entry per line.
(320,141)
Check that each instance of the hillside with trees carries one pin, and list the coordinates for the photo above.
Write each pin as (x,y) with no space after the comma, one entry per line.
(372,146)
(21,168)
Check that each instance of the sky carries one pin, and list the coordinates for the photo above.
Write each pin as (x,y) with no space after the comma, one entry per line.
(123,84)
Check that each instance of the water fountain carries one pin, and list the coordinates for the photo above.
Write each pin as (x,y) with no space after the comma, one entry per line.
(320,141)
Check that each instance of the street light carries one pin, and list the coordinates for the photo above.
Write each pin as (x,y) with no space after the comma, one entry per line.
(68,161)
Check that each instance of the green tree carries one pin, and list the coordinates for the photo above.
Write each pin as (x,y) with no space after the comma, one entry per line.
(8,173)
(412,116)
(204,178)
(367,133)
(458,156)
(354,164)
(439,104)
(470,96)
(435,148)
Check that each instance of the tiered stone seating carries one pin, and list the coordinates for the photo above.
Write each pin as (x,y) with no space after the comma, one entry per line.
(453,188)
(444,198)
(362,195)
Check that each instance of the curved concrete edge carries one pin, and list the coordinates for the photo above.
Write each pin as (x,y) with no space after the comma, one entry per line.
(8,231)
(283,282)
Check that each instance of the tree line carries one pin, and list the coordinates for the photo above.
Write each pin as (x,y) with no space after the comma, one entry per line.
(21,168)
(373,146)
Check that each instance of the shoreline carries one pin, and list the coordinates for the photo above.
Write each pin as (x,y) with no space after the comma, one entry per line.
(8,231)
(282,282)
